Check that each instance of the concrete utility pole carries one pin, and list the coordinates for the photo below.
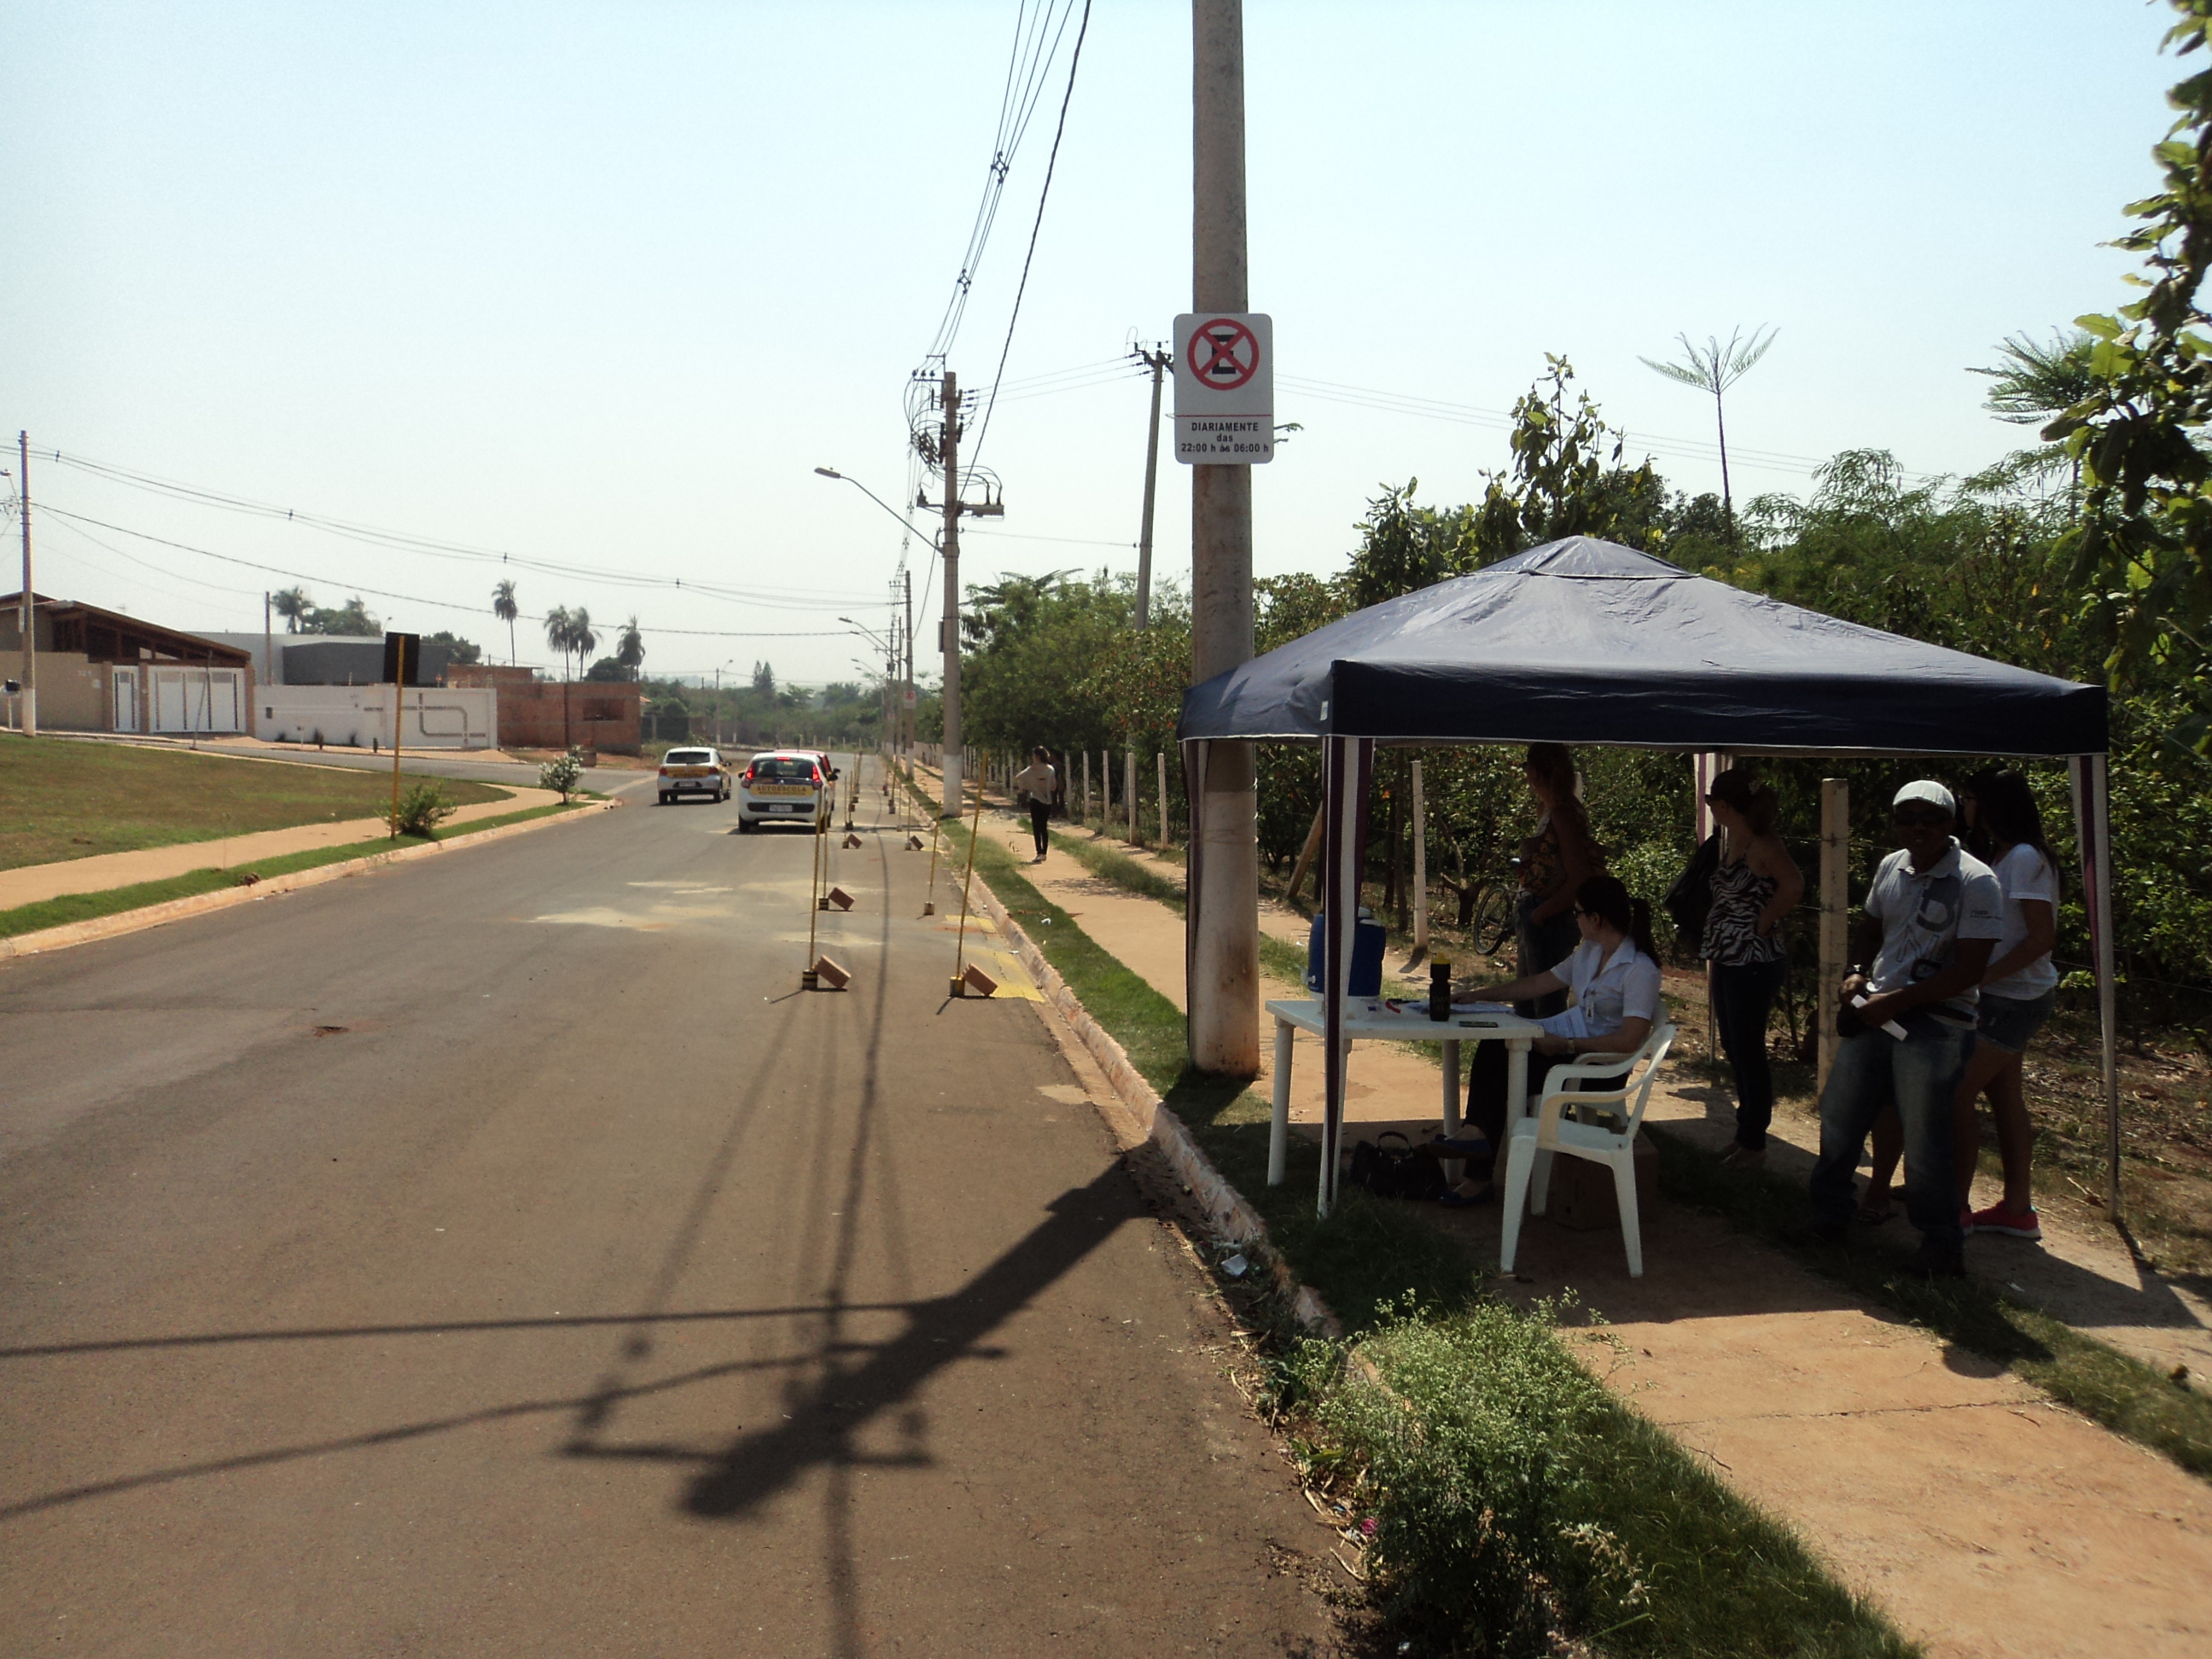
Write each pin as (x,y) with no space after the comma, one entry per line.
(1159,362)
(948,402)
(1225,976)
(27,613)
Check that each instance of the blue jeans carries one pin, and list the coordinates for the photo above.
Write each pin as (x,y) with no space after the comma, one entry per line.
(1920,1074)
(1743,996)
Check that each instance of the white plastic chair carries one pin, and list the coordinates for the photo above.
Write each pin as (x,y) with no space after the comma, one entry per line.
(1531,1141)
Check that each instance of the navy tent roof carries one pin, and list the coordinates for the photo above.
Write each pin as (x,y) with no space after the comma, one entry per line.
(1584,641)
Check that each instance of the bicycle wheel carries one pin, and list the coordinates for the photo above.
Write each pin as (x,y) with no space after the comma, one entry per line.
(1494,918)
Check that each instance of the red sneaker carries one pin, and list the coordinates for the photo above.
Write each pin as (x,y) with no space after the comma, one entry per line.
(1996,1218)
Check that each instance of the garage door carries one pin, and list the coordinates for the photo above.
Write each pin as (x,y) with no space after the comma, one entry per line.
(197,699)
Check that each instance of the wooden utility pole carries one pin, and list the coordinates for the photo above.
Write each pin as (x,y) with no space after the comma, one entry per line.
(1159,361)
(948,402)
(1225,974)
(26,611)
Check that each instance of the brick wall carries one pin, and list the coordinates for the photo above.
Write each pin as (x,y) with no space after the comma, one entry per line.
(600,714)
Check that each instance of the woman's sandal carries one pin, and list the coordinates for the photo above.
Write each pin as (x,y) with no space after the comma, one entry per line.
(1457,1201)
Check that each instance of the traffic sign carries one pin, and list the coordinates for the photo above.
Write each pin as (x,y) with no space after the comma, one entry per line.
(1225,371)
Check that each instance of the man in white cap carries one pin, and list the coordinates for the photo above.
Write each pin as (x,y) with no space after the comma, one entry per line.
(1931,917)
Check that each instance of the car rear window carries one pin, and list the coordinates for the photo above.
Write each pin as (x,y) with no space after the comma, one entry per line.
(690,756)
(784,767)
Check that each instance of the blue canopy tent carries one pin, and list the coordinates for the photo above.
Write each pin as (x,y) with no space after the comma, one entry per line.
(1583,642)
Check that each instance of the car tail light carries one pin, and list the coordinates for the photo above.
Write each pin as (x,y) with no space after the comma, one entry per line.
(664,771)
(749,774)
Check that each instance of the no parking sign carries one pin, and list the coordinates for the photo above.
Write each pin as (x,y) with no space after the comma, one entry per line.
(1225,380)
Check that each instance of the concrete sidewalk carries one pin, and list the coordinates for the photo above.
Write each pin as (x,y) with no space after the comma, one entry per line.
(1985,1519)
(34,884)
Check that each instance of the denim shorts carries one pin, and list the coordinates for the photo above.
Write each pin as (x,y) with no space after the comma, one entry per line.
(2008,1023)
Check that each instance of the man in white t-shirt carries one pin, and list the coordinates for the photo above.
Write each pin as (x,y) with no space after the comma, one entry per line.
(1039,782)
(1932,916)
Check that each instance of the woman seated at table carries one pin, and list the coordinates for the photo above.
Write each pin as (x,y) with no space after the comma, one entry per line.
(1612,977)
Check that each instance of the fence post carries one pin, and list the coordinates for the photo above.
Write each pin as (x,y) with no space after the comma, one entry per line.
(1835,908)
(1086,788)
(1163,758)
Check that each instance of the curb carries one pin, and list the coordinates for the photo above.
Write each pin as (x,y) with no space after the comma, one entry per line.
(156,915)
(1233,1217)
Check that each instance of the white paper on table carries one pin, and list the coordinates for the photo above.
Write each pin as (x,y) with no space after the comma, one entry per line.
(1485,1007)
(1888,1025)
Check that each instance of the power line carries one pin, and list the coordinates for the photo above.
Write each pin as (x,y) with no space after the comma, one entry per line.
(1075,63)
(794,599)
(408,599)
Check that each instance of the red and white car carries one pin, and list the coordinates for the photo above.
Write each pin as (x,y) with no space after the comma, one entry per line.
(781,785)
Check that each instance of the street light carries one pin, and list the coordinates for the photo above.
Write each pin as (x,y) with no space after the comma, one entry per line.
(904,522)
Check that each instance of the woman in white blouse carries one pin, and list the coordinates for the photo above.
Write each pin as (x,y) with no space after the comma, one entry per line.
(1612,977)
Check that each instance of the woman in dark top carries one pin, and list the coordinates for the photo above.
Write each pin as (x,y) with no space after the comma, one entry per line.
(1755,884)
(1555,862)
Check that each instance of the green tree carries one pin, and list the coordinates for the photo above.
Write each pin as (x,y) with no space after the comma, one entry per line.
(293,605)
(2142,551)
(352,619)
(459,651)
(1568,477)
(629,648)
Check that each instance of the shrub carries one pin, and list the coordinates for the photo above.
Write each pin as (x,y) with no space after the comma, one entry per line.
(424,808)
(561,773)
(1471,1428)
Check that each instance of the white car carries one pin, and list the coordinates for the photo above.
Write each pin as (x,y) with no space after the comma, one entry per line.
(693,772)
(781,785)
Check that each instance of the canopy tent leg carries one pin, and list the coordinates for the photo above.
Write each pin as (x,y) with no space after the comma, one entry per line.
(1347,762)
(2092,830)
(1420,870)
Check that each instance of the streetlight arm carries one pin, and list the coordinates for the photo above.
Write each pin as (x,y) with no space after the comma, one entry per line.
(904,523)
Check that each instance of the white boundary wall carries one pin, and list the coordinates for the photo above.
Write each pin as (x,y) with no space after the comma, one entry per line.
(434,717)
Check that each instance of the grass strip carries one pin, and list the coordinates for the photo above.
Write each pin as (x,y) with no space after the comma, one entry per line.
(1634,1543)
(2114,1388)
(90,906)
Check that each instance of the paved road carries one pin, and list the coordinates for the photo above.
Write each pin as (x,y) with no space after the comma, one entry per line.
(497,1255)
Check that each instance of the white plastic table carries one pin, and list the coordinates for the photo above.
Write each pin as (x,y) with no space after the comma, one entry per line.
(1367,1018)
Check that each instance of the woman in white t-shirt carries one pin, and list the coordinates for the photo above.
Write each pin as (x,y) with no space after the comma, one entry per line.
(2019,991)
(1613,978)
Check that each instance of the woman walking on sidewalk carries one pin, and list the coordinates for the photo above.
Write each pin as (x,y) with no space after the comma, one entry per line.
(1755,884)
(1039,782)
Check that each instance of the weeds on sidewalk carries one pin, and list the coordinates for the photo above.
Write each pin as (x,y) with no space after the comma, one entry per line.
(1514,1501)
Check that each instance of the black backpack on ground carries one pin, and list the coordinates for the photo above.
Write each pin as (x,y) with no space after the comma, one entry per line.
(1691,898)
(1389,1171)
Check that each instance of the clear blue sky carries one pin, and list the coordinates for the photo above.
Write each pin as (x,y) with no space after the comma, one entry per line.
(602,284)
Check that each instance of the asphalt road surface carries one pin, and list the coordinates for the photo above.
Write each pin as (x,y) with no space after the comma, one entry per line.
(498,1254)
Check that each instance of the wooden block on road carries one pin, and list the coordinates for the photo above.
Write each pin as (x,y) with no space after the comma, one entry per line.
(839,897)
(834,975)
(978,983)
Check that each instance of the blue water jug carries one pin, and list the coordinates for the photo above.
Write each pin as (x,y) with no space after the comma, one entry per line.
(1368,937)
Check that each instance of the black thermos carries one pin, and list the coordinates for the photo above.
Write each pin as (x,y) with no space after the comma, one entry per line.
(1440,1001)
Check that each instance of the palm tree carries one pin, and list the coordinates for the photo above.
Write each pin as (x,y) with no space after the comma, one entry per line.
(1715,369)
(2033,384)
(581,634)
(560,635)
(292,604)
(629,648)
(504,607)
